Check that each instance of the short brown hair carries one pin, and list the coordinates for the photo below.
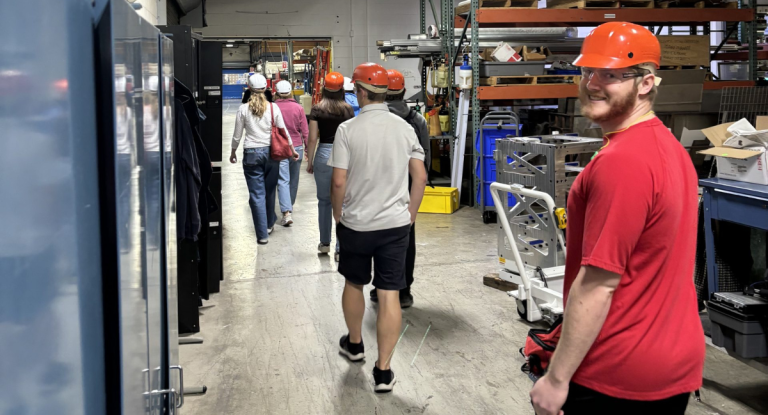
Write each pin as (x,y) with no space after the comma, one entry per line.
(396,97)
(373,96)
(286,95)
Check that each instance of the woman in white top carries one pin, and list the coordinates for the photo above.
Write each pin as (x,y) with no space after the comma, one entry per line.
(261,172)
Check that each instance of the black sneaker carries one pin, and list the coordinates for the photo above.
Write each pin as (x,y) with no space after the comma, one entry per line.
(353,352)
(375,295)
(384,379)
(406,299)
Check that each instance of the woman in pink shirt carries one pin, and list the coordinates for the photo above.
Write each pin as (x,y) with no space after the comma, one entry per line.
(296,123)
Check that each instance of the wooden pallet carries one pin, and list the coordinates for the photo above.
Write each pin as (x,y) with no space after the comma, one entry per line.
(493,281)
(530,80)
(499,4)
(695,4)
(599,4)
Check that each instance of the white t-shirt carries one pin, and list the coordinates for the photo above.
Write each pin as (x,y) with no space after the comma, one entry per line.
(375,148)
(258,131)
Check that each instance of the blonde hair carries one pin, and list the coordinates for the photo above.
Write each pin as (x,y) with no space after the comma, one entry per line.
(257,103)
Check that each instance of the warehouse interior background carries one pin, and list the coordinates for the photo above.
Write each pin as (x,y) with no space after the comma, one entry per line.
(104,310)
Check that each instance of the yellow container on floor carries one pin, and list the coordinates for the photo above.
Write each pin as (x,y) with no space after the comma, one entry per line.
(440,200)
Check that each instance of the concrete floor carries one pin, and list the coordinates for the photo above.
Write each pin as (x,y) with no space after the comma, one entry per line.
(271,339)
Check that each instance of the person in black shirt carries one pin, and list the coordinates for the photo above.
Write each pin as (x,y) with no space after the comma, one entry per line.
(324,119)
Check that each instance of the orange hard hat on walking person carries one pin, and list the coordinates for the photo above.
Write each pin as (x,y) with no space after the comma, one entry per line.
(372,77)
(396,81)
(334,81)
(619,45)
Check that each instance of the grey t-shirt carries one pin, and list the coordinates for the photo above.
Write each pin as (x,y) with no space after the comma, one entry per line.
(375,148)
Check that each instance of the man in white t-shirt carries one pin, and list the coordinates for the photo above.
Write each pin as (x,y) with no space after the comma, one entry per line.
(373,155)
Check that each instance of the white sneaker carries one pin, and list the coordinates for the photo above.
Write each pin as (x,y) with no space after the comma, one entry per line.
(287,219)
(324,249)
(336,256)
(269,230)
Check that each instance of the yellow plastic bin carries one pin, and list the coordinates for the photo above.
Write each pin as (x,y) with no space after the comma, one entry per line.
(440,200)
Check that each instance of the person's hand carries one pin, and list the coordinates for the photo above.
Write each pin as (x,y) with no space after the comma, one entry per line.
(233,158)
(310,170)
(336,219)
(548,396)
(295,156)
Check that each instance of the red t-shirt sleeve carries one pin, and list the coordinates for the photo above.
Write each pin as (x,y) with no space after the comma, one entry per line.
(618,196)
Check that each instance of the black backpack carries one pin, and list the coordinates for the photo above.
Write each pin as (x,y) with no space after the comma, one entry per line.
(410,120)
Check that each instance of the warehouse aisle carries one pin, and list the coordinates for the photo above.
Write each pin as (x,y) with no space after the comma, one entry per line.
(271,339)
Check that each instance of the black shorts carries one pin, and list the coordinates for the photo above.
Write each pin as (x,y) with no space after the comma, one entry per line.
(387,248)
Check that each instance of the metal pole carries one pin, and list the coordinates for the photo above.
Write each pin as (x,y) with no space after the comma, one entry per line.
(290,64)
(475,103)
(434,13)
(448,23)
(423,12)
(752,39)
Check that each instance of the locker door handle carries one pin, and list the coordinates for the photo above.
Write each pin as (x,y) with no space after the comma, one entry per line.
(171,398)
(181,385)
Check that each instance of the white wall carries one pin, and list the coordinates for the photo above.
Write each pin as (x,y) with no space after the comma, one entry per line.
(353,25)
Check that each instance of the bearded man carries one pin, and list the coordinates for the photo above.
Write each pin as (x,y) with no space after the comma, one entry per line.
(631,341)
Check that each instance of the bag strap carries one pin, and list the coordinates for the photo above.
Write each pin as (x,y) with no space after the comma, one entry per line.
(272,110)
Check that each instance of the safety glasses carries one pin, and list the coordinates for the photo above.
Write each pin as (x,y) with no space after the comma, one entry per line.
(611,76)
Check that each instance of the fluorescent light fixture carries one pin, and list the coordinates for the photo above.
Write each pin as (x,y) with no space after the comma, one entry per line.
(229,45)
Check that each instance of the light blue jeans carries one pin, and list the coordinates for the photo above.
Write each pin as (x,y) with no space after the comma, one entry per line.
(283,187)
(323,174)
(295,169)
(261,173)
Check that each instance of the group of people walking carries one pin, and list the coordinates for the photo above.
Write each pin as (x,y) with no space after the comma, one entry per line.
(366,150)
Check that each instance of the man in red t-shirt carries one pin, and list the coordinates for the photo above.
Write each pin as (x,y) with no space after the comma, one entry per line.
(631,341)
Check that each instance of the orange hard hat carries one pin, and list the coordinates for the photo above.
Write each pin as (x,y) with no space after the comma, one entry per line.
(619,45)
(396,81)
(372,77)
(334,81)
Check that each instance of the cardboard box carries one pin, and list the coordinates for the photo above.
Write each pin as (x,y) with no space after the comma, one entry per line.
(533,54)
(505,53)
(740,150)
(680,90)
(684,50)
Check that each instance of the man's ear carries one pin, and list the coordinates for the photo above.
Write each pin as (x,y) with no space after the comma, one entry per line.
(646,84)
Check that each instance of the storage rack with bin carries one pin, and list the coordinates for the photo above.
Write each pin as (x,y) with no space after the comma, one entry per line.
(697,19)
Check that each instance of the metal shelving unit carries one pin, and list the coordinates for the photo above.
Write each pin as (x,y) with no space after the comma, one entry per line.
(496,17)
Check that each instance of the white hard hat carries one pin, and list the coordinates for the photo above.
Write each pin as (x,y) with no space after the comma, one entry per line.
(257,81)
(284,87)
(348,85)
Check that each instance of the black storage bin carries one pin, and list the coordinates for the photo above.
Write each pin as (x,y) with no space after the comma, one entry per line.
(743,334)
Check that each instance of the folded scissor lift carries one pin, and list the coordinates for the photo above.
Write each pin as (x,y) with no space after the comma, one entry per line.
(539,172)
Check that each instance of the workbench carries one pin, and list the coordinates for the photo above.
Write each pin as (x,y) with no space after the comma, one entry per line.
(732,201)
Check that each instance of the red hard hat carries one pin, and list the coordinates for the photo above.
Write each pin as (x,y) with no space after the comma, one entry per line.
(334,81)
(396,80)
(372,77)
(619,45)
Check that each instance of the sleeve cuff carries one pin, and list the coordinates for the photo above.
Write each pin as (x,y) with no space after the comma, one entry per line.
(604,265)
(417,156)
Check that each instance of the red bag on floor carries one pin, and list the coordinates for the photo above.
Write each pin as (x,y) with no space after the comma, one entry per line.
(539,347)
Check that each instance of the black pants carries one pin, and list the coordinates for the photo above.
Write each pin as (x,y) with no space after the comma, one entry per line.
(585,401)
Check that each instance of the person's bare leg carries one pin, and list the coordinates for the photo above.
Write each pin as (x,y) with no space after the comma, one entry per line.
(353,303)
(388,325)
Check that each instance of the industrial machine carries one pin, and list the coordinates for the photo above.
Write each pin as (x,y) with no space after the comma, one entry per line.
(538,172)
